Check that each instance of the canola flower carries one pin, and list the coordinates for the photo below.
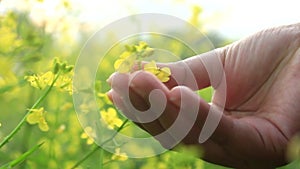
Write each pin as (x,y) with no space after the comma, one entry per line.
(163,74)
(63,83)
(88,131)
(111,118)
(37,116)
(125,63)
(119,156)
(133,56)
(40,81)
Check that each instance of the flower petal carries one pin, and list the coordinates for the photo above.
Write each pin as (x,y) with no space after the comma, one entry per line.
(166,71)
(32,118)
(43,125)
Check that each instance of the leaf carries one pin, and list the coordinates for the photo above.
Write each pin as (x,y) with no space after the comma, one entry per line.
(21,158)
(206,93)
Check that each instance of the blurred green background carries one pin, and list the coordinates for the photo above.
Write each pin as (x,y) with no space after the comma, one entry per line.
(30,39)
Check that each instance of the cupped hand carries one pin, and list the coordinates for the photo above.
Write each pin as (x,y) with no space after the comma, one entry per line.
(262,108)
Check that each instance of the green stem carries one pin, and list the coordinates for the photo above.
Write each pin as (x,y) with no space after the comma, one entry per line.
(107,162)
(23,120)
(22,158)
(101,159)
(100,146)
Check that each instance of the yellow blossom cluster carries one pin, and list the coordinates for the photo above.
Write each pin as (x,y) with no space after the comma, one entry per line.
(133,57)
(63,82)
(41,80)
(163,74)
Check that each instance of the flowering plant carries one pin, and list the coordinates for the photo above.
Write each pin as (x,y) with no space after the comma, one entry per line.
(133,57)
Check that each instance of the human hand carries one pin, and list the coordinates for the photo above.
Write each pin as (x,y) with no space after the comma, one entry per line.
(261,112)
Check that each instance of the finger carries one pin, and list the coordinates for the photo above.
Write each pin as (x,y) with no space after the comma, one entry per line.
(141,86)
(191,109)
(220,138)
(119,102)
(181,111)
(154,127)
(124,84)
(143,83)
(198,71)
(131,107)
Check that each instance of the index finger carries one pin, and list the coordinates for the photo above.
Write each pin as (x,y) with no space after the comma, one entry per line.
(197,72)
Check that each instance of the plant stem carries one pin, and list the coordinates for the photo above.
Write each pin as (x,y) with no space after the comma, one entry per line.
(101,159)
(107,162)
(100,146)
(23,120)
(21,159)
(86,157)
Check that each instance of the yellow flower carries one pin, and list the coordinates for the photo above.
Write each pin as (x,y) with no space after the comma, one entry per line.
(110,117)
(103,99)
(64,83)
(142,45)
(40,81)
(119,156)
(37,116)
(88,131)
(125,63)
(132,55)
(47,77)
(143,50)
(163,74)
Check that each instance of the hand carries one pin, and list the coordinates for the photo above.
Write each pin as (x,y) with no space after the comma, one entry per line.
(262,109)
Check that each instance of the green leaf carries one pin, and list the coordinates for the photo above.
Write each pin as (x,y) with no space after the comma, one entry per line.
(206,93)
(21,158)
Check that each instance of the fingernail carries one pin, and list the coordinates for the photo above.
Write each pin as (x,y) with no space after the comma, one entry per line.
(109,80)
(109,94)
(174,96)
(175,100)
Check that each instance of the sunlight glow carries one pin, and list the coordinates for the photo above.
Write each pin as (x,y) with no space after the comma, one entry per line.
(231,18)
